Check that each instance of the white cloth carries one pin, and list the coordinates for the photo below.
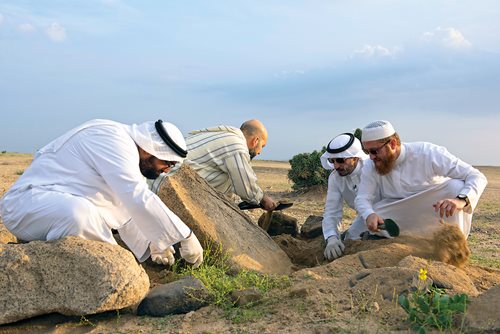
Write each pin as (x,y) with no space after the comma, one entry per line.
(415,214)
(353,151)
(420,167)
(220,156)
(86,183)
(340,189)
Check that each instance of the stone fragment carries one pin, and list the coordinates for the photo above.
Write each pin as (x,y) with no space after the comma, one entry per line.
(181,296)
(312,227)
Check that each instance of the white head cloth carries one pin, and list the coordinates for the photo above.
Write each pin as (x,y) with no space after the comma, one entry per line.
(377,130)
(348,151)
(147,138)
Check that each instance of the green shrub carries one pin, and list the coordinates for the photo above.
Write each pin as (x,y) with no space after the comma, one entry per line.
(306,170)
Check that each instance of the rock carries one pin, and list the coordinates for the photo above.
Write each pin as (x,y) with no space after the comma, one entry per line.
(218,223)
(182,296)
(246,296)
(281,224)
(71,276)
(312,227)
(6,236)
(482,312)
(383,283)
(454,279)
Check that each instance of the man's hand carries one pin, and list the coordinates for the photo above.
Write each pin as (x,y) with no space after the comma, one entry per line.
(373,221)
(268,203)
(191,250)
(334,248)
(449,206)
(166,257)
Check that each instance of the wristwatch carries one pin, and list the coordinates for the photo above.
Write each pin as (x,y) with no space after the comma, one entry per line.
(465,198)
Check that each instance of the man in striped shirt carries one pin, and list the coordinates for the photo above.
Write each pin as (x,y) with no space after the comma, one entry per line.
(222,155)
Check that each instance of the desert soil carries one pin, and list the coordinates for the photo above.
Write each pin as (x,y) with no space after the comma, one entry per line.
(319,299)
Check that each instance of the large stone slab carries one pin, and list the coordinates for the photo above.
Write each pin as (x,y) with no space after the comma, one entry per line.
(216,221)
(70,276)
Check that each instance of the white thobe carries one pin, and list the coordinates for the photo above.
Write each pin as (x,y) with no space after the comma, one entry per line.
(421,176)
(220,156)
(86,183)
(340,189)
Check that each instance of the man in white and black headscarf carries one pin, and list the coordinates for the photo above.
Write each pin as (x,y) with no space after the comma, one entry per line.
(92,180)
(419,184)
(345,157)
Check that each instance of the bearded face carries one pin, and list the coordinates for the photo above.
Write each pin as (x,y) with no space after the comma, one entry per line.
(252,153)
(385,163)
(148,168)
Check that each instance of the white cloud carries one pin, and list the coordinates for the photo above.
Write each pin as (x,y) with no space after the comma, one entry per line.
(56,32)
(447,37)
(26,27)
(369,51)
(1,19)
(287,73)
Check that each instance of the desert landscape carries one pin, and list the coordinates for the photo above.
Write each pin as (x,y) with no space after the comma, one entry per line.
(343,296)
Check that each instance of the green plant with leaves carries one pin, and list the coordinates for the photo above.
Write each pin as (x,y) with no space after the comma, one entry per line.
(220,280)
(429,306)
(306,170)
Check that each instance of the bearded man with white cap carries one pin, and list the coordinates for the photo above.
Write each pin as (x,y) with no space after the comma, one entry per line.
(420,184)
(92,180)
(345,158)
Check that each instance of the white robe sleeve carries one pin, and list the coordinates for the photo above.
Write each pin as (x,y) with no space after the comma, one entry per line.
(446,164)
(367,190)
(115,157)
(333,209)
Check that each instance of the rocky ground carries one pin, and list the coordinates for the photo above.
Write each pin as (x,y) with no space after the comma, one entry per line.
(354,294)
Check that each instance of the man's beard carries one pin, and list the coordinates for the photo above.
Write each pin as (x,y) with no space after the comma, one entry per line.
(252,153)
(385,165)
(147,168)
(344,171)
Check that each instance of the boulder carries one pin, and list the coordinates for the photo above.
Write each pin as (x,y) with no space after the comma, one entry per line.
(482,312)
(312,227)
(182,296)
(218,223)
(71,276)
(281,224)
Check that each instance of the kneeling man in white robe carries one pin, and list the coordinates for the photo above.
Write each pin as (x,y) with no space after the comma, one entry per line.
(345,158)
(420,183)
(92,180)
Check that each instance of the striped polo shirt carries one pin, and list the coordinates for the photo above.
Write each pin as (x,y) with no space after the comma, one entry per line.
(220,156)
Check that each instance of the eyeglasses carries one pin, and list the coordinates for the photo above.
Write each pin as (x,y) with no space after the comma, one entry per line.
(375,151)
(337,160)
(170,164)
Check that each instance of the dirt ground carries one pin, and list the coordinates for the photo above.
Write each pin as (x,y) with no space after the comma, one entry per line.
(321,299)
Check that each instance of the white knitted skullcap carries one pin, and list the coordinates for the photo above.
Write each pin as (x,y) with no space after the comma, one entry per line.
(377,130)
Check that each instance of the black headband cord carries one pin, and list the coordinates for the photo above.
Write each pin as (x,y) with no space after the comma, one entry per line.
(169,141)
(343,148)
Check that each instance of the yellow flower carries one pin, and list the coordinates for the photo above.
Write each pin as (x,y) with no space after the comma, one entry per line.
(422,274)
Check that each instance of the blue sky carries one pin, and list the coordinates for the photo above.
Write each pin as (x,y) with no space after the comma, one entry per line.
(308,69)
